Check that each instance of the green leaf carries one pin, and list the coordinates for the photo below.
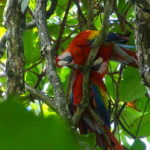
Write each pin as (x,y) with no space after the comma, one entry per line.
(88,138)
(141,103)
(148,139)
(22,130)
(31,47)
(30,78)
(130,115)
(110,86)
(144,126)
(131,86)
(61,6)
(138,145)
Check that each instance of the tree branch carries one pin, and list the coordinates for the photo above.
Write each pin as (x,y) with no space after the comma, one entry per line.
(60,99)
(62,27)
(90,20)
(82,19)
(87,68)
(49,101)
(51,10)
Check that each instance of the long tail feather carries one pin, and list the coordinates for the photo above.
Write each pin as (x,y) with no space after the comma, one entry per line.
(124,56)
(115,144)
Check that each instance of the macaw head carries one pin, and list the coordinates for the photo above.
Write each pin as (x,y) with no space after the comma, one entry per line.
(65,59)
(78,50)
(100,66)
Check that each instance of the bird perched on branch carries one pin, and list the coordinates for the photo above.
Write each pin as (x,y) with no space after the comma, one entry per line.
(114,49)
(77,53)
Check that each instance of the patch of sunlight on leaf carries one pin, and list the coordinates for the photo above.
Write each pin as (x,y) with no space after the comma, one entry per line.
(63,73)
(3,60)
(130,141)
(47,112)
(34,107)
(2,31)
(35,29)
(32,4)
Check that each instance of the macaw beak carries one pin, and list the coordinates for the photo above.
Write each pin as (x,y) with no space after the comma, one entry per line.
(64,60)
(97,63)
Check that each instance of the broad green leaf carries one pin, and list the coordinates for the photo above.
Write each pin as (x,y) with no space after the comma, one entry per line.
(22,130)
(110,86)
(30,78)
(131,87)
(130,115)
(124,140)
(54,30)
(31,47)
(72,21)
(88,138)
(143,128)
(61,6)
(138,145)
(143,103)
(63,73)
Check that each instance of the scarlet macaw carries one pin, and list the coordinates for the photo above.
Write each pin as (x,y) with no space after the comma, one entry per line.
(98,101)
(77,53)
(113,49)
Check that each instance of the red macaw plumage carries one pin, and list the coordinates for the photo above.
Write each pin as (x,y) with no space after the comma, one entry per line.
(113,49)
(98,101)
(77,53)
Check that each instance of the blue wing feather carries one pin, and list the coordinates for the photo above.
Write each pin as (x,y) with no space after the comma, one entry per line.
(101,107)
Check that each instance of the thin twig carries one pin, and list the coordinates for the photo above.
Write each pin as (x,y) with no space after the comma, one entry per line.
(141,118)
(125,129)
(62,28)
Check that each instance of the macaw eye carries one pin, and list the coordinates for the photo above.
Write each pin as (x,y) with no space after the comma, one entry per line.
(68,59)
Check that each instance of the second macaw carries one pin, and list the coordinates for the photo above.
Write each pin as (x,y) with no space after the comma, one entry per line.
(98,101)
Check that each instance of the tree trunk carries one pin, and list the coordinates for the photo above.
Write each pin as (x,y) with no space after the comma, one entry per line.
(13,20)
(143,40)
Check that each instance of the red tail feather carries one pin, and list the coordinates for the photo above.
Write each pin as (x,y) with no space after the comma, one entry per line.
(114,143)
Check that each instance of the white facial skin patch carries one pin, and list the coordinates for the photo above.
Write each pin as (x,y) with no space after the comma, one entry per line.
(62,63)
(103,67)
(98,61)
(64,55)
(61,59)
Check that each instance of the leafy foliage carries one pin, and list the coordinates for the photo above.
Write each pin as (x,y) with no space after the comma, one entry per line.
(21,129)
